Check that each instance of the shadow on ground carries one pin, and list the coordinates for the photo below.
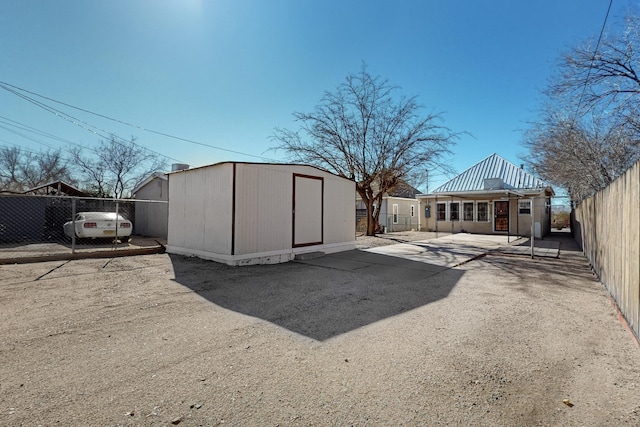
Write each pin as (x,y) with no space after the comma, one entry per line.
(571,262)
(323,297)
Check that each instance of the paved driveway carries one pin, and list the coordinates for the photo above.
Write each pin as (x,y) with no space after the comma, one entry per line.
(447,251)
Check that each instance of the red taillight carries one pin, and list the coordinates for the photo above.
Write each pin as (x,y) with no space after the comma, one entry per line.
(90,225)
(125,225)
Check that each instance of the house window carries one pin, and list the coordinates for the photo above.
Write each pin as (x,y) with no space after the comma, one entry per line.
(395,214)
(524,207)
(413,211)
(467,211)
(454,211)
(441,209)
(483,211)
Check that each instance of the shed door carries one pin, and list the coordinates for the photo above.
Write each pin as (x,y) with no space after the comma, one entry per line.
(307,210)
(501,216)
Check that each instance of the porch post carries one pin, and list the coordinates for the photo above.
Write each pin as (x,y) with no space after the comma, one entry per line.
(532,226)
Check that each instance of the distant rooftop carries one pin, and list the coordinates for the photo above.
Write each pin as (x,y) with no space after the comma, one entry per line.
(57,188)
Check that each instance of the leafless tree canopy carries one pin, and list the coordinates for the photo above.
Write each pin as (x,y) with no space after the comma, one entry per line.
(115,167)
(581,156)
(21,170)
(362,132)
(587,134)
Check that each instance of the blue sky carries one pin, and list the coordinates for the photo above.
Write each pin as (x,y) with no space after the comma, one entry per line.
(227,72)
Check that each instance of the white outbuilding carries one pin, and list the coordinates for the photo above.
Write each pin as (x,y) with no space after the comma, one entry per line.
(259,213)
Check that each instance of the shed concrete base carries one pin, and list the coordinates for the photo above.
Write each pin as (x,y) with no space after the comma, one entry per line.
(271,257)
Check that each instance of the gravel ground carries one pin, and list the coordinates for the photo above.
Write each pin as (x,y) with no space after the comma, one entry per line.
(167,340)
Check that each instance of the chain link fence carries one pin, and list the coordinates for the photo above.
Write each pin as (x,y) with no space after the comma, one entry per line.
(401,223)
(388,224)
(46,225)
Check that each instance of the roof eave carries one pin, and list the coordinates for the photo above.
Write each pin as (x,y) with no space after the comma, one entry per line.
(496,192)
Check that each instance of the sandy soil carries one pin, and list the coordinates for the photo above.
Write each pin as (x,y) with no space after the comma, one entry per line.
(166,340)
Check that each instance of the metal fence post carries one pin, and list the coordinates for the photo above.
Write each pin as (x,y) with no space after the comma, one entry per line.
(73,220)
(115,240)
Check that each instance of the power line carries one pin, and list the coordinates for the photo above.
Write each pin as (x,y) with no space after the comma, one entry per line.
(593,57)
(7,121)
(7,86)
(93,129)
(26,137)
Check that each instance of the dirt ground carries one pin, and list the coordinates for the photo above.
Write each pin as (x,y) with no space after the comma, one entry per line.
(168,340)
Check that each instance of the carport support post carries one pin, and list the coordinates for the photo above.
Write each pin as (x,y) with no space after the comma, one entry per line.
(436,216)
(73,221)
(532,226)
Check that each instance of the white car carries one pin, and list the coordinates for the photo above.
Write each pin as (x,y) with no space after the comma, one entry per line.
(94,225)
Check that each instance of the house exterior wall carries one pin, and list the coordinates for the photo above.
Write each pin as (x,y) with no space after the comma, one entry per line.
(519,223)
(405,220)
(151,219)
(242,213)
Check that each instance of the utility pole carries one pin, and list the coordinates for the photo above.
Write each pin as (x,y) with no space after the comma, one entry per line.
(427,171)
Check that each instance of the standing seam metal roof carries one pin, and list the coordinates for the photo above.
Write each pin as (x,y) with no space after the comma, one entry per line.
(494,166)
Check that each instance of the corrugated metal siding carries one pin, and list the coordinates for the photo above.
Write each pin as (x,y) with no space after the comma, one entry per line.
(200,209)
(339,214)
(494,166)
(263,209)
(175,235)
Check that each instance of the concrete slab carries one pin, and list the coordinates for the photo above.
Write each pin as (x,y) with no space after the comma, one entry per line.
(448,251)
(426,257)
(541,248)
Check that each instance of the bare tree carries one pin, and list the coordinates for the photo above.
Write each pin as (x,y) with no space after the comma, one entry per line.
(115,167)
(580,156)
(10,170)
(362,132)
(21,170)
(93,174)
(587,134)
(603,79)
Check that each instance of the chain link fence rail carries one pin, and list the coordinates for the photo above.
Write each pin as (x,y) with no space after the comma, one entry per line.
(35,225)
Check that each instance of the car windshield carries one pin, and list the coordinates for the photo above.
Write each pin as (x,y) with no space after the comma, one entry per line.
(97,216)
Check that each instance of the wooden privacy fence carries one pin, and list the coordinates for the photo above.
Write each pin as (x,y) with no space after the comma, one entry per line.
(607,226)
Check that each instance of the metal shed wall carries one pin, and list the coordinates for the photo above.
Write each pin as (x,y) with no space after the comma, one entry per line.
(242,213)
(339,214)
(264,207)
(200,210)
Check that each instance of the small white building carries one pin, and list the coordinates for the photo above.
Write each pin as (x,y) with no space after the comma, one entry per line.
(151,218)
(257,213)
(398,210)
(396,213)
(152,210)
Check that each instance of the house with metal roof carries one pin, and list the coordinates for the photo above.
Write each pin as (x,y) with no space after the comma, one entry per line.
(494,196)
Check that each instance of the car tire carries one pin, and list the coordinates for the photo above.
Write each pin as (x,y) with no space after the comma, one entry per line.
(125,239)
